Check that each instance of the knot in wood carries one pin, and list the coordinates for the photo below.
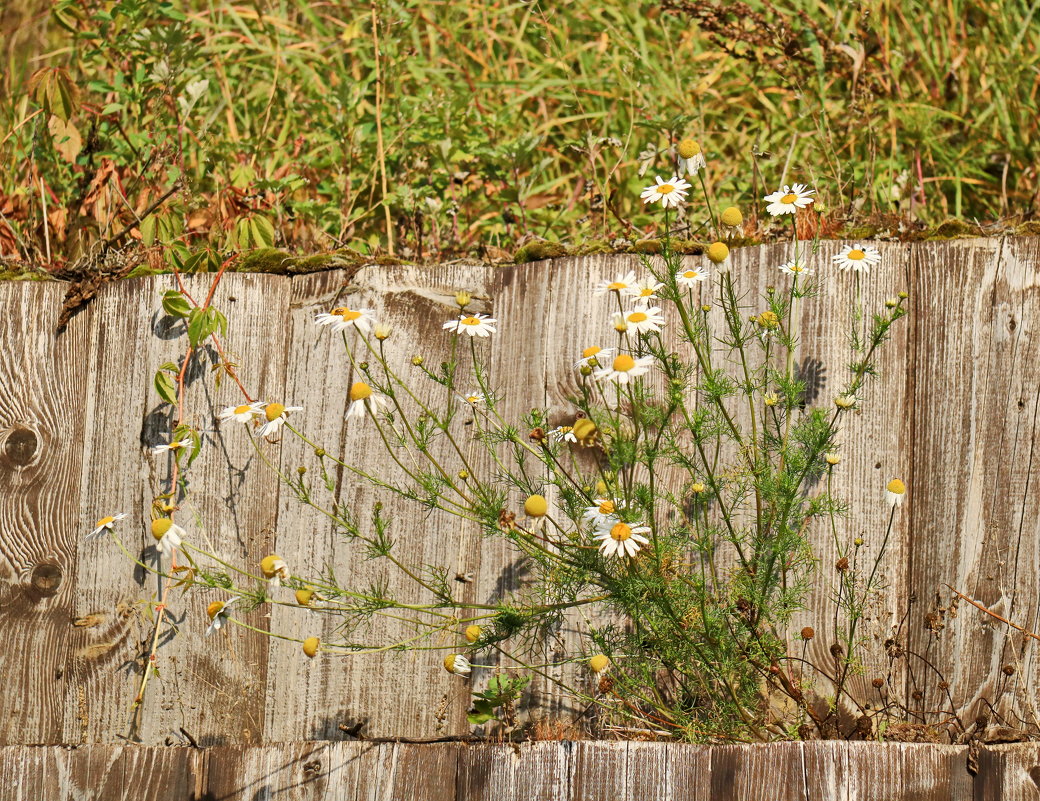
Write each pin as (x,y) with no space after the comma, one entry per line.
(46,578)
(20,446)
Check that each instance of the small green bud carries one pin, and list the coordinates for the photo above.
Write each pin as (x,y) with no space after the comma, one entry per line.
(319,452)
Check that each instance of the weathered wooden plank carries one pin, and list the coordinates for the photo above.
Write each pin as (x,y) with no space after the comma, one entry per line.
(213,689)
(974,503)
(905,771)
(1008,773)
(42,421)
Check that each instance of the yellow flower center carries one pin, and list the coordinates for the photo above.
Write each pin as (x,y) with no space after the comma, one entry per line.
(896,486)
(615,286)
(599,663)
(690,274)
(688,149)
(637,317)
(273,411)
(590,352)
(620,532)
(349,314)
(646,293)
(104,521)
(160,526)
(472,399)
(241,409)
(791,198)
(269,565)
(856,254)
(665,189)
(623,363)
(606,508)
(470,321)
(214,609)
(360,391)
(796,268)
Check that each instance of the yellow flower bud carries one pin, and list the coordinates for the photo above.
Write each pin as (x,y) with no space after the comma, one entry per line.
(311,645)
(303,597)
(832,458)
(536,506)
(698,488)
(473,633)
(599,663)
(463,299)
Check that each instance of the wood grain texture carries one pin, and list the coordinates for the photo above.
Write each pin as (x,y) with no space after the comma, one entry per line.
(542,771)
(42,420)
(954,411)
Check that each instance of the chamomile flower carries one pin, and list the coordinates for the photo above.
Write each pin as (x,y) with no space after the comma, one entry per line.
(275,569)
(363,398)
(243,413)
(858,257)
(167,535)
(563,434)
(691,157)
(621,539)
(103,525)
(218,612)
(172,445)
(457,664)
(789,199)
(593,352)
(343,317)
(603,514)
(275,414)
(599,664)
(476,325)
(668,193)
(473,398)
(688,279)
(641,319)
(795,268)
(895,492)
(625,368)
(622,284)
(646,290)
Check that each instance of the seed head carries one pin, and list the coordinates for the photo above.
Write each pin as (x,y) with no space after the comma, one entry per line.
(688,148)
(303,597)
(464,474)
(417,361)
(273,410)
(536,506)
(808,633)
(718,252)
(732,217)
(360,391)
(842,564)
(599,663)
(878,682)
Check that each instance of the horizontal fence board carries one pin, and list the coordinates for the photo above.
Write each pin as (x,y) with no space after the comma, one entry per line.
(955,411)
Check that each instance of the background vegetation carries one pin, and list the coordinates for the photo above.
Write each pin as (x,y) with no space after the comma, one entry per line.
(433,128)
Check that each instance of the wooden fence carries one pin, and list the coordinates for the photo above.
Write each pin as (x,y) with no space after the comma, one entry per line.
(954,413)
(542,771)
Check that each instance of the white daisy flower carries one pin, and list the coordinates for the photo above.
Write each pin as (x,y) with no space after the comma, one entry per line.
(689,279)
(173,445)
(625,368)
(275,414)
(641,319)
(603,514)
(789,199)
(794,268)
(103,525)
(275,569)
(622,539)
(167,535)
(895,492)
(363,398)
(593,352)
(342,318)
(563,434)
(691,158)
(622,284)
(476,325)
(645,291)
(218,614)
(457,664)
(858,257)
(242,414)
(668,193)
(473,399)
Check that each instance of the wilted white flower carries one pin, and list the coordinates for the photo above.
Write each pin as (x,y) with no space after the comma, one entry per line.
(363,398)
(218,615)
(275,413)
(457,664)
(593,352)
(103,525)
(895,492)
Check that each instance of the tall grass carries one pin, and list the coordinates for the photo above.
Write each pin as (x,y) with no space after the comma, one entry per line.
(491,123)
